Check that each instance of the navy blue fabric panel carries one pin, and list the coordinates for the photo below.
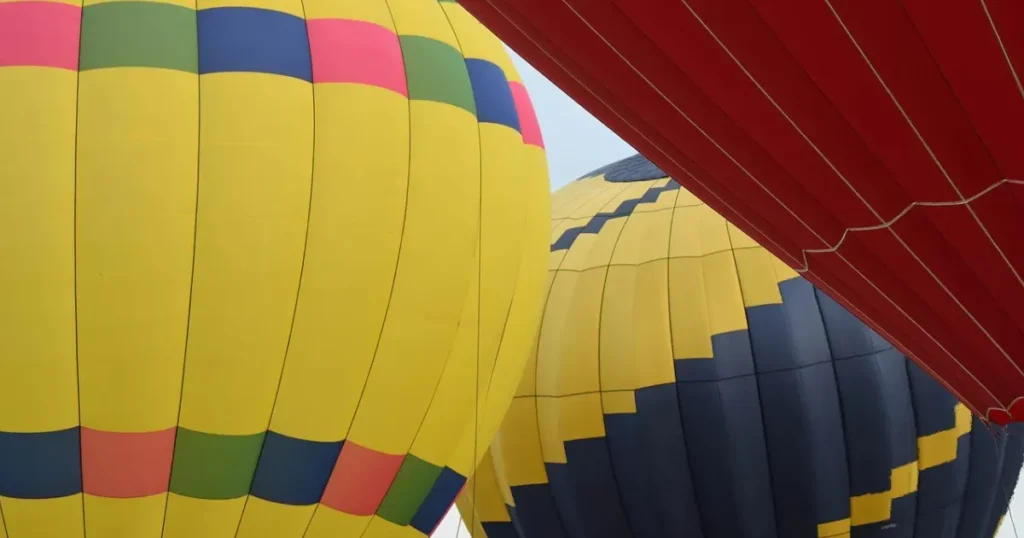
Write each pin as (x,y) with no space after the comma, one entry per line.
(726,448)
(567,238)
(806,449)
(847,336)
(536,514)
(587,493)
(934,406)
(442,494)
(869,436)
(627,440)
(244,39)
(899,410)
(940,488)
(899,417)
(770,338)
(732,358)
(494,102)
(597,222)
(635,168)
(938,521)
(808,341)
(880,432)
(40,465)
(985,462)
(940,493)
(294,471)
(515,521)
(500,530)
(649,456)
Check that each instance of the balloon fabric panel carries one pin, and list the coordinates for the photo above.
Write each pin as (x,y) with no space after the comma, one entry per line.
(689,383)
(251,285)
(868,144)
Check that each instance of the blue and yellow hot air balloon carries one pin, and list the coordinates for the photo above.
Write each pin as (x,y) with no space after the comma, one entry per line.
(688,383)
(268,268)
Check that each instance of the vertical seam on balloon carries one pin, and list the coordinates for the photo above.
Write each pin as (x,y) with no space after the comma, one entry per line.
(536,366)
(504,327)
(394,278)
(192,274)
(917,436)
(512,300)
(515,286)
(418,429)
(479,266)
(451,347)
(955,188)
(957,533)
(78,367)
(597,362)
(302,268)
(1002,47)
(672,348)
(771,194)
(893,463)
(755,374)
(536,380)
(584,201)
(839,403)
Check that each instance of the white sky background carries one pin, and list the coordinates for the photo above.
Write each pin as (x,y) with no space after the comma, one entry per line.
(576,144)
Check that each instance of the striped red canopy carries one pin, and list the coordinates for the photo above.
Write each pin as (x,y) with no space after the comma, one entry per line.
(875,145)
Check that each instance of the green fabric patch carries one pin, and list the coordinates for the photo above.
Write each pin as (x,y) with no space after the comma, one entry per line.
(409,490)
(436,72)
(208,466)
(139,34)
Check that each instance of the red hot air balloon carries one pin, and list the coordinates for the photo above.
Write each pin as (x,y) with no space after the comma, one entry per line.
(873,145)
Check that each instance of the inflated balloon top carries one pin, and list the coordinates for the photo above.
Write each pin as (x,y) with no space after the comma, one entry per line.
(873,145)
(270,268)
(688,383)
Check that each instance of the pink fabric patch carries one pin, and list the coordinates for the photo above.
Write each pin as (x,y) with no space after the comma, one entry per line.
(356,52)
(43,34)
(360,480)
(126,465)
(527,117)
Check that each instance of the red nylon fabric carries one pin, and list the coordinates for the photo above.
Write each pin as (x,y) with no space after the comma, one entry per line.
(875,144)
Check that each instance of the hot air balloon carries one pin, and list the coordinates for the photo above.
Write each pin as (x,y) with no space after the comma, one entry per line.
(688,383)
(873,146)
(270,268)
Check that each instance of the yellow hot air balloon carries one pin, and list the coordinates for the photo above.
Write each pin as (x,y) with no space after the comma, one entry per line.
(269,267)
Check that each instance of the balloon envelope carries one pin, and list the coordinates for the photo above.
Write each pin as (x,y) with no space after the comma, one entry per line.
(688,383)
(250,284)
(872,145)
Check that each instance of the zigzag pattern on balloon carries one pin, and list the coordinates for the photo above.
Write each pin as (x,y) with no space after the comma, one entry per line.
(686,382)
